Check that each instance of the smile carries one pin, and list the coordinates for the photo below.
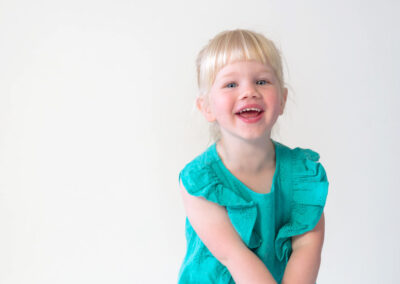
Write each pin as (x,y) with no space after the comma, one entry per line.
(251,116)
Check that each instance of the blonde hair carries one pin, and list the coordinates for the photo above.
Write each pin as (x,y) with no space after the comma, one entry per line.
(230,46)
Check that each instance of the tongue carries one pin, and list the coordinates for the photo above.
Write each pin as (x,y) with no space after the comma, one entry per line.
(252,113)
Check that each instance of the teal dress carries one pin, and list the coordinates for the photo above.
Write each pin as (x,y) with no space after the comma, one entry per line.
(265,222)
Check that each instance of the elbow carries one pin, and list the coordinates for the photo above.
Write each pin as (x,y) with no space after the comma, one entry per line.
(227,257)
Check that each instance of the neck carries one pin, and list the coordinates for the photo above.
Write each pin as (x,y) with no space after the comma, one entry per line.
(249,157)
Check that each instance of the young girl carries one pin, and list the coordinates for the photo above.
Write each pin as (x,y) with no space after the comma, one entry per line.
(254,206)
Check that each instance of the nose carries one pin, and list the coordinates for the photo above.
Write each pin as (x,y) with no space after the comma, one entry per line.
(249,90)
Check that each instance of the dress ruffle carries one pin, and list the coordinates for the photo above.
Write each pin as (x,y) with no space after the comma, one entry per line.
(201,180)
(308,190)
(303,179)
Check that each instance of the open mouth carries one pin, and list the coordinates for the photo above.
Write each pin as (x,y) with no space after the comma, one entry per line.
(250,113)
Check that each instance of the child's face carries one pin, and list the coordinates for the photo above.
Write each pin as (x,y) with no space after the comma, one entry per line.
(238,85)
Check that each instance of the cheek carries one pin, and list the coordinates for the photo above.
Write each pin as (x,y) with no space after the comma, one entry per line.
(274,103)
(222,103)
(274,100)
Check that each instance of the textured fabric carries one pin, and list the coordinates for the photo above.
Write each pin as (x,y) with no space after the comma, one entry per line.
(265,222)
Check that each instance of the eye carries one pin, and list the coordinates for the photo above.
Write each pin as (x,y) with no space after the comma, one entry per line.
(262,82)
(231,85)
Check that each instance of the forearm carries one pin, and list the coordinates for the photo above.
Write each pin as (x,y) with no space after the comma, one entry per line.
(246,267)
(303,265)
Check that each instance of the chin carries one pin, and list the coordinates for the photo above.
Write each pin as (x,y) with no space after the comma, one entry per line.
(254,137)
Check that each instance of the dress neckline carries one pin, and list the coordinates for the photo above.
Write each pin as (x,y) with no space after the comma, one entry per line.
(238,181)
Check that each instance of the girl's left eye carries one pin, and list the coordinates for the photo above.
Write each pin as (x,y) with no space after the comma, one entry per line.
(262,82)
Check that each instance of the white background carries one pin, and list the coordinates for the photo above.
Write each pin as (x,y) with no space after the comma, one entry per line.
(97,120)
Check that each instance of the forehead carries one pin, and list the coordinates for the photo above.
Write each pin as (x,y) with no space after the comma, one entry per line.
(244,67)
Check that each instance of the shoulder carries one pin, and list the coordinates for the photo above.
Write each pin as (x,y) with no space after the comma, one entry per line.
(199,172)
(201,177)
(301,162)
(298,153)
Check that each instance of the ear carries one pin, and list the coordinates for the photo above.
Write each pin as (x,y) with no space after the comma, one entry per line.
(283,99)
(205,109)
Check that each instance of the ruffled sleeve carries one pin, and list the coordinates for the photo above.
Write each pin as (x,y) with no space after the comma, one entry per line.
(200,179)
(307,184)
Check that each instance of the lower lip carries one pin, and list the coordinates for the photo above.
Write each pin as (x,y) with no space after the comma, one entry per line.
(251,119)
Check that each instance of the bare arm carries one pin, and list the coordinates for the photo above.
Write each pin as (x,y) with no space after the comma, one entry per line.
(213,226)
(304,262)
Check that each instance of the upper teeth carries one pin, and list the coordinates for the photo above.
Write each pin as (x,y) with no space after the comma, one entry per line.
(249,109)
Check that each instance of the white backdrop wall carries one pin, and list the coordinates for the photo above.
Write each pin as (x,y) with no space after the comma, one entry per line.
(97,120)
